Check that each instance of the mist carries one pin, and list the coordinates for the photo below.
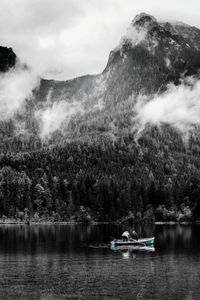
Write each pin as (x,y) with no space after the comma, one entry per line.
(136,34)
(50,119)
(16,85)
(179,106)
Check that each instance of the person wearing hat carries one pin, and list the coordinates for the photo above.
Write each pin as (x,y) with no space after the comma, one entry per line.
(134,235)
(126,236)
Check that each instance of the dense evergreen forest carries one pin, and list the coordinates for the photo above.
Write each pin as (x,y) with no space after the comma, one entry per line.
(153,179)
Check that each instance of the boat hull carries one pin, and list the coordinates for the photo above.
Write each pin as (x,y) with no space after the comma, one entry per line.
(139,242)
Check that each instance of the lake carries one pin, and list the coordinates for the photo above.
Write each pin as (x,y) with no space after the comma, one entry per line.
(76,262)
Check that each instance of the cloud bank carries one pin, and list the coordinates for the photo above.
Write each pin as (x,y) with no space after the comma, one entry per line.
(179,106)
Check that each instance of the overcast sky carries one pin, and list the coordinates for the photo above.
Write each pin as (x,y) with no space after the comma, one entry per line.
(67,38)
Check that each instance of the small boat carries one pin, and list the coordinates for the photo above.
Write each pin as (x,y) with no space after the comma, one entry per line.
(140,242)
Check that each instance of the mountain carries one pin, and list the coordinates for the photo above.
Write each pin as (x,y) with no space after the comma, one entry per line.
(73,149)
(150,56)
(147,58)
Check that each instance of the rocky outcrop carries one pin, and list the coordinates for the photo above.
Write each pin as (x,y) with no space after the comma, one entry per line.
(7,59)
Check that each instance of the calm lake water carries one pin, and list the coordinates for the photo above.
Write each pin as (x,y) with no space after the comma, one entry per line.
(75,262)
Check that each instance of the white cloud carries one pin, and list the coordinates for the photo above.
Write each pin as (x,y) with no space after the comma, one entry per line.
(15,86)
(178,106)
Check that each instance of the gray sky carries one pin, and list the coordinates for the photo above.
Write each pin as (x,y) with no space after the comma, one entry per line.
(67,38)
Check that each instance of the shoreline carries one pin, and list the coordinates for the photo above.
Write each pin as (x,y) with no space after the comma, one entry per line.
(173,223)
(16,222)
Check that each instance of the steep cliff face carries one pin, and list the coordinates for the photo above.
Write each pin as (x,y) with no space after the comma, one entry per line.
(150,56)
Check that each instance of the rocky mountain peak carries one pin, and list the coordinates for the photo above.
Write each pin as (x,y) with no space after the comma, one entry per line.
(144,20)
(175,46)
(143,30)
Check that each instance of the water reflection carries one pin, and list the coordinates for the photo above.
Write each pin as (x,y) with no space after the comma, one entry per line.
(132,251)
(62,238)
(178,238)
(126,254)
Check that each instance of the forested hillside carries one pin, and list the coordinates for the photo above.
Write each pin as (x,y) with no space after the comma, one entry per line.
(75,150)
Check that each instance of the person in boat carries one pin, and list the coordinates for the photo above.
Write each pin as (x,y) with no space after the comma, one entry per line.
(126,236)
(134,235)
